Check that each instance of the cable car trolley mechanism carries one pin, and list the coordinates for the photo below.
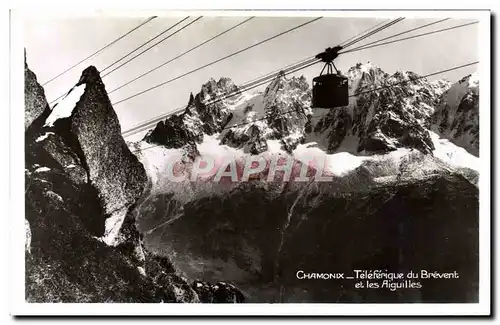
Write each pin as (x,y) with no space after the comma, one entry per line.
(331,89)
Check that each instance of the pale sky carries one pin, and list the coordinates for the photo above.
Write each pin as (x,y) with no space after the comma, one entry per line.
(52,45)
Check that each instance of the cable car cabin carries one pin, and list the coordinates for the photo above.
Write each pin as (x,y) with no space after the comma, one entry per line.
(330,91)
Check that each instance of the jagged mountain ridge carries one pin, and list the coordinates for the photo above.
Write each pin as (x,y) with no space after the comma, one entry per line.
(382,120)
(187,129)
(373,123)
(457,115)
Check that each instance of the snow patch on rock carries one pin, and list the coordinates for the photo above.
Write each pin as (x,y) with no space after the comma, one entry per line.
(27,238)
(112,228)
(44,136)
(336,164)
(453,154)
(141,270)
(54,196)
(42,169)
(156,159)
(64,107)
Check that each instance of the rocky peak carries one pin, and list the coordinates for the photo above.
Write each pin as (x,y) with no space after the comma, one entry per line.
(83,186)
(202,115)
(212,89)
(281,85)
(84,123)
(281,89)
(286,109)
(208,88)
(457,115)
(275,85)
(36,106)
(116,173)
(396,115)
(361,75)
(78,172)
(440,86)
(226,84)
(190,102)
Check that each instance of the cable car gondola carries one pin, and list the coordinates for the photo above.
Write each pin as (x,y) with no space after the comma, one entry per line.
(330,90)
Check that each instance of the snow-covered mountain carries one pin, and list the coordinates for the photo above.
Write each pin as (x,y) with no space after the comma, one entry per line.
(407,116)
(374,122)
(457,115)
(383,120)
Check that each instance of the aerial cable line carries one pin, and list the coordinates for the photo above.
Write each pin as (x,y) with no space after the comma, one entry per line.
(363,32)
(275,72)
(144,125)
(300,62)
(259,81)
(313,58)
(155,44)
(219,99)
(132,130)
(405,32)
(137,48)
(353,95)
(398,40)
(363,47)
(144,51)
(377,30)
(182,54)
(415,79)
(372,32)
(245,87)
(371,90)
(218,60)
(310,59)
(241,88)
(409,37)
(100,50)
(271,76)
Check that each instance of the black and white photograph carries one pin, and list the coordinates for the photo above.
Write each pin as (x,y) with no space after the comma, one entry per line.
(282,159)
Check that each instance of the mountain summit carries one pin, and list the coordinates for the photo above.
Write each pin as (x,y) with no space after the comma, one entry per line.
(385,112)
(457,115)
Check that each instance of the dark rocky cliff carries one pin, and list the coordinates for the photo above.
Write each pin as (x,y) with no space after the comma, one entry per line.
(82,186)
(34,98)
